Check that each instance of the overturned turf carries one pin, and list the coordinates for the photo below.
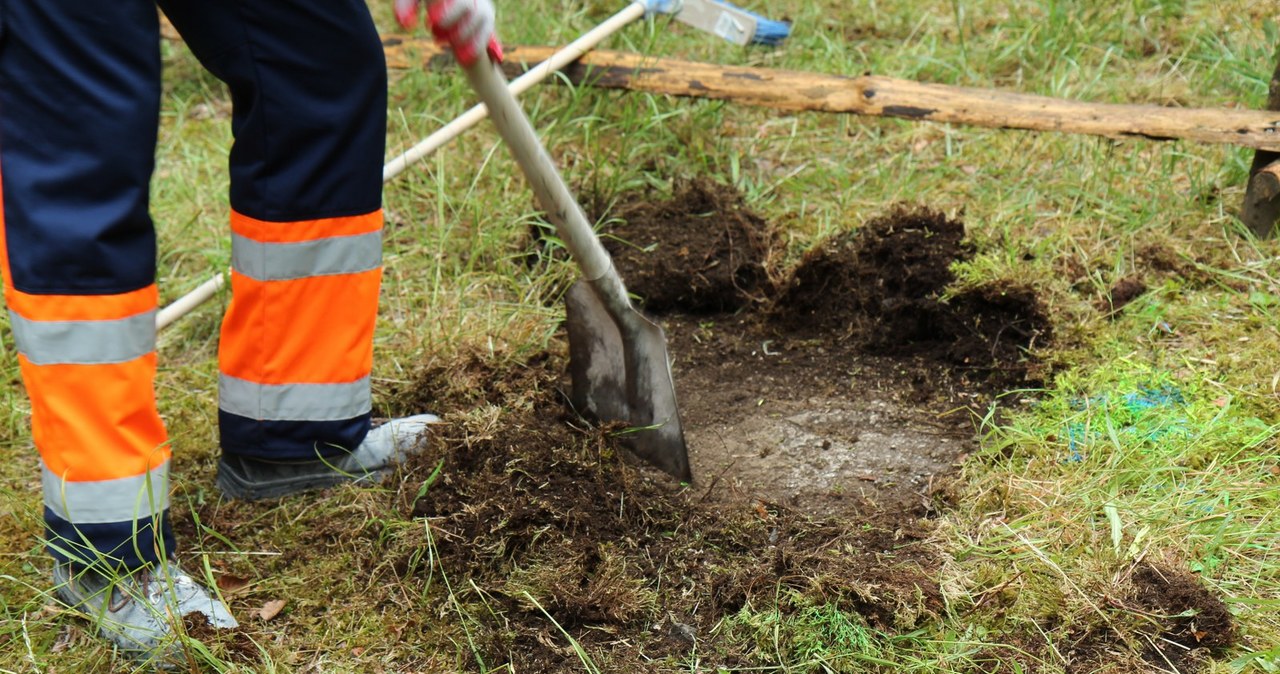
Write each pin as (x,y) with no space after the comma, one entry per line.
(548,518)
(884,288)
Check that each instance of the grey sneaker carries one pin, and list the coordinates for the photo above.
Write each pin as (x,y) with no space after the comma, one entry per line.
(137,611)
(386,446)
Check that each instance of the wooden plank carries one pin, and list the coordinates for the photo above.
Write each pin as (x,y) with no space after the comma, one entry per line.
(1261,209)
(890,97)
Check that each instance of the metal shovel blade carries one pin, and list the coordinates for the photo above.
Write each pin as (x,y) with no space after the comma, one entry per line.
(620,372)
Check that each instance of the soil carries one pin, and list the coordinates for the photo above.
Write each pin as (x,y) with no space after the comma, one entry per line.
(829,396)
(884,287)
(700,252)
(813,401)
(1171,621)
(552,518)
(1193,620)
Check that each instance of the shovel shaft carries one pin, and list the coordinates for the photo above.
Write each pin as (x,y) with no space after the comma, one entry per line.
(618,359)
(554,196)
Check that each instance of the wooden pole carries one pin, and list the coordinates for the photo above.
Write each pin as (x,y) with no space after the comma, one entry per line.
(891,97)
(1261,209)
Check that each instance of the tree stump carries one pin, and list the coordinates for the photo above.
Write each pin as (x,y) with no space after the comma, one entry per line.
(1261,208)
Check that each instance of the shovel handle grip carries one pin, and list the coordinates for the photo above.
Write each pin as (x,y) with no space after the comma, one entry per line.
(552,193)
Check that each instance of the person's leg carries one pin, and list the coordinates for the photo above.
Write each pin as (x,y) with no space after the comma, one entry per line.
(308,85)
(79,96)
(79,101)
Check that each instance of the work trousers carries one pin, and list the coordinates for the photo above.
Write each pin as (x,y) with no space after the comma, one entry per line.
(79,112)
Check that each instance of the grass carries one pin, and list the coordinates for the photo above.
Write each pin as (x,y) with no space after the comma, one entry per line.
(1156,439)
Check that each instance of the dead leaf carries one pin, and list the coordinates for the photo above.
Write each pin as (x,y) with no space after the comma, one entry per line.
(271,609)
(230,584)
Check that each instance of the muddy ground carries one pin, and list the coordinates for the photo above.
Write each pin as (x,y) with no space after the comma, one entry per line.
(825,403)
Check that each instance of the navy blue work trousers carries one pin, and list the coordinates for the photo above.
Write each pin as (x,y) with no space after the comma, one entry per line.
(80,88)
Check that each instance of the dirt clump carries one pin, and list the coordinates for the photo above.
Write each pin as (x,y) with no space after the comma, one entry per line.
(891,272)
(1161,618)
(883,287)
(1120,294)
(233,644)
(1193,621)
(701,251)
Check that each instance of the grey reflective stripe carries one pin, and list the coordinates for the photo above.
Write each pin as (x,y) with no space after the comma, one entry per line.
(294,402)
(104,501)
(85,342)
(322,257)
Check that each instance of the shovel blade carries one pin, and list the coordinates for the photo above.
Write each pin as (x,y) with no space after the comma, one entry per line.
(620,371)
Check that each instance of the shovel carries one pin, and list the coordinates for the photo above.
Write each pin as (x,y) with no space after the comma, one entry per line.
(617,358)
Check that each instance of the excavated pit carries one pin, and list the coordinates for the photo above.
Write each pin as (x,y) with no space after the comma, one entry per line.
(826,386)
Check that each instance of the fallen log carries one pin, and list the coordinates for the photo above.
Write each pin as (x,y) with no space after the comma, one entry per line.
(879,96)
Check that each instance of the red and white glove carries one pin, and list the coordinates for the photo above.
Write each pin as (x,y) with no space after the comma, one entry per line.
(466,26)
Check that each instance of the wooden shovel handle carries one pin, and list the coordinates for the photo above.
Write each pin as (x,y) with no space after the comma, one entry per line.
(554,196)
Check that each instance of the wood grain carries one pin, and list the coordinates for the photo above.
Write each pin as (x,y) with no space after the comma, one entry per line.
(886,97)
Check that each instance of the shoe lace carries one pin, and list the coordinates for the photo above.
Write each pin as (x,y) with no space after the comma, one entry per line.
(148,585)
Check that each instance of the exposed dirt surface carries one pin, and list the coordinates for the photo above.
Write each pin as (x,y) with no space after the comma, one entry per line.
(815,425)
(830,398)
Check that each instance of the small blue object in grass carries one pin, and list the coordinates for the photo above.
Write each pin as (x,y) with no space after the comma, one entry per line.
(1075,440)
(1152,419)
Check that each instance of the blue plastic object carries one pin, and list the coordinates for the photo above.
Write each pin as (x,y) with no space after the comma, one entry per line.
(768,32)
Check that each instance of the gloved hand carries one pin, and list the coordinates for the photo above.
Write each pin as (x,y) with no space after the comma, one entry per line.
(467,26)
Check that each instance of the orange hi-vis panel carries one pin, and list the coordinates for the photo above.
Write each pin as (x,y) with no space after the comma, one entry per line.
(93,407)
(89,365)
(297,341)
